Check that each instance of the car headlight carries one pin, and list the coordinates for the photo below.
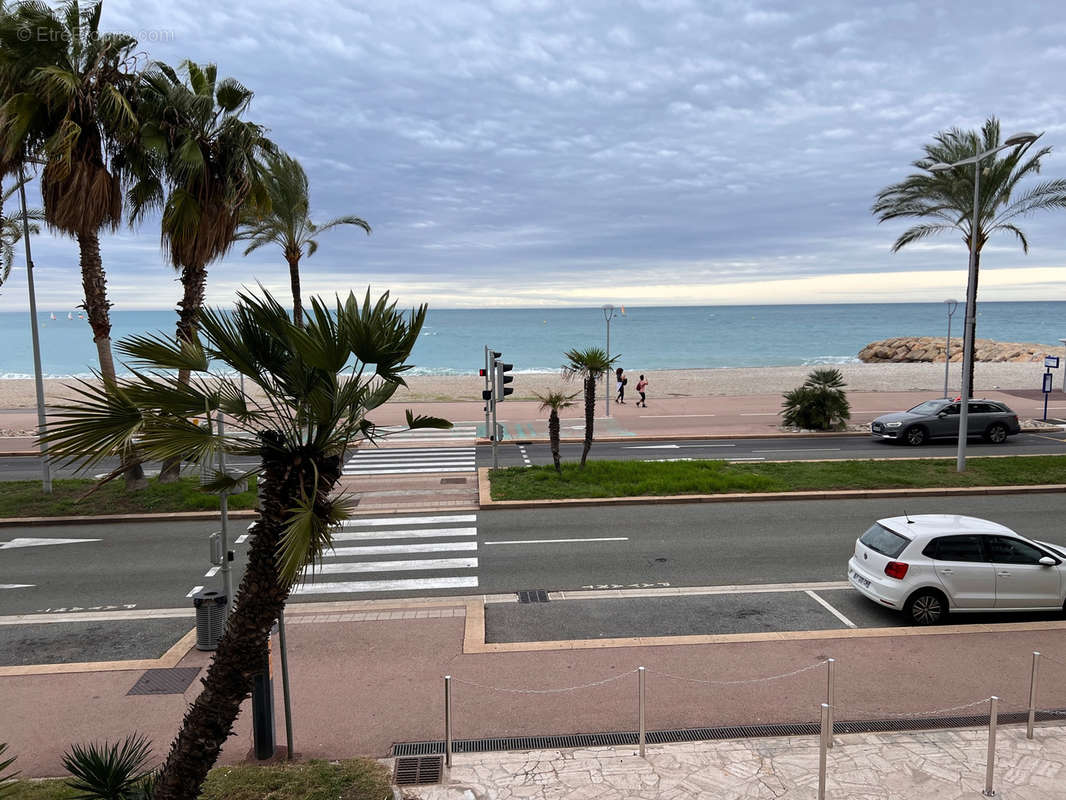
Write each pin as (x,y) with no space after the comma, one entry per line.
(893,424)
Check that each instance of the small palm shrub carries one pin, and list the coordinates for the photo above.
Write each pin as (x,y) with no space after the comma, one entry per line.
(116,771)
(6,777)
(819,404)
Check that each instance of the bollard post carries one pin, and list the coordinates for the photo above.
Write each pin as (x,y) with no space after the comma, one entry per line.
(829,699)
(1032,695)
(823,746)
(993,718)
(448,721)
(640,709)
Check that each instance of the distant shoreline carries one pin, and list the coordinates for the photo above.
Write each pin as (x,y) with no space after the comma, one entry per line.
(882,377)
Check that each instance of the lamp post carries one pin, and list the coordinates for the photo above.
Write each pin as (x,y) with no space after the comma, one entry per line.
(608,314)
(952,305)
(970,323)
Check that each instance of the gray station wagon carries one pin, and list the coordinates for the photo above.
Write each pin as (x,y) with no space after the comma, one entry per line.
(935,419)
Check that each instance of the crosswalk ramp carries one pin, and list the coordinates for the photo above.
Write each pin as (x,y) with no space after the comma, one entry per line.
(411,460)
(398,554)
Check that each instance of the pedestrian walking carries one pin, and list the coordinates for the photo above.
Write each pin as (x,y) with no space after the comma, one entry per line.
(642,386)
(620,384)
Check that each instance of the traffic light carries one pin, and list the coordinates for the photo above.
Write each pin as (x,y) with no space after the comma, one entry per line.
(502,379)
(481,373)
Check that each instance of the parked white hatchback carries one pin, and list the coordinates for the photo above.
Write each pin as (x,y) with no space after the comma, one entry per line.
(930,564)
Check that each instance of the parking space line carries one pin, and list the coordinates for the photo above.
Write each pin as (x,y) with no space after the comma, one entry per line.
(830,609)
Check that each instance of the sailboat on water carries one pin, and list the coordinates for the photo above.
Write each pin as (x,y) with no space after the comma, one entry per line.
(70,315)
(52,315)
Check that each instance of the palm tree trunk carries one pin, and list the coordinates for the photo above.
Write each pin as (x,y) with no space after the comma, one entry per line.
(973,333)
(590,416)
(294,279)
(194,280)
(553,437)
(97,309)
(242,650)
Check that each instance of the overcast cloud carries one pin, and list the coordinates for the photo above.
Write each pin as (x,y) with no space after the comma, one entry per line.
(534,152)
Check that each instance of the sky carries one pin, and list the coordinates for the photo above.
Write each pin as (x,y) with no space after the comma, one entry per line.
(577,152)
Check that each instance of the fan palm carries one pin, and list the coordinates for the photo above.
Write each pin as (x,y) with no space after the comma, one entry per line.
(288,223)
(196,160)
(298,434)
(588,364)
(553,401)
(820,403)
(11,231)
(65,88)
(944,200)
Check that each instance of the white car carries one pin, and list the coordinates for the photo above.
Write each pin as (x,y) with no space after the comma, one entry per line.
(930,564)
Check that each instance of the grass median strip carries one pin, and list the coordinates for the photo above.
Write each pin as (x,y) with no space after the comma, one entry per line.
(68,498)
(650,478)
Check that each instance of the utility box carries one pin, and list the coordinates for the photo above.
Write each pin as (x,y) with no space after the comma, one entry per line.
(210,618)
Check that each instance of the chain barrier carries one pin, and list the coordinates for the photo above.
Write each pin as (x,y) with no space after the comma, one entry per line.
(1045,657)
(911,714)
(742,681)
(592,685)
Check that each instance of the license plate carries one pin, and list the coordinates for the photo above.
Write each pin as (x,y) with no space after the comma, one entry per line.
(864,582)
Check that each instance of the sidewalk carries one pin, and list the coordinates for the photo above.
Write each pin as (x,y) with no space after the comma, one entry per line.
(733,415)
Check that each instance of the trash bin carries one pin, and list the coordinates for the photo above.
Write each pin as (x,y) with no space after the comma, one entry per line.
(210,618)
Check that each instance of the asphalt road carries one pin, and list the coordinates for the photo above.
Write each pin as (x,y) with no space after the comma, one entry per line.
(798,448)
(28,468)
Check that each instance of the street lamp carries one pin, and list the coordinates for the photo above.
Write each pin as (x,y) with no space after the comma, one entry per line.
(952,305)
(608,314)
(970,323)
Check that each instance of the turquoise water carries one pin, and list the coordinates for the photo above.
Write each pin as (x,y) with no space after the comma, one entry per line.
(534,340)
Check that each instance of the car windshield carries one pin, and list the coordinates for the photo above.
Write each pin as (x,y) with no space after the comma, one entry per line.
(880,539)
(928,407)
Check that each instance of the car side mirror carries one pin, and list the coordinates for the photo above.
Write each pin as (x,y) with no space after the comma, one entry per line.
(1048,561)
(942,414)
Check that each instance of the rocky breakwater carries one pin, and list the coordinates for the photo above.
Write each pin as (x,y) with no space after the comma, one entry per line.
(911,349)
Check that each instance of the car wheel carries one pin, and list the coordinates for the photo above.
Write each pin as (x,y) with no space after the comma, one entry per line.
(997,434)
(915,436)
(927,608)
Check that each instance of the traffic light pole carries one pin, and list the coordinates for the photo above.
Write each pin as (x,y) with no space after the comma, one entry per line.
(487,393)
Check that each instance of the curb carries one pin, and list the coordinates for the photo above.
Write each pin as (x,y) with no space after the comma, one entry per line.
(168,516)
(488,504)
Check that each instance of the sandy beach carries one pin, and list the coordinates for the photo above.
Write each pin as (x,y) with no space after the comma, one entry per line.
(15,394)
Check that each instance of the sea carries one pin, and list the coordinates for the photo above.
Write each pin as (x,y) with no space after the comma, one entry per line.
(645,337)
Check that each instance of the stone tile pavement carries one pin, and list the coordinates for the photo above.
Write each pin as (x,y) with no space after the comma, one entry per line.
(939,765)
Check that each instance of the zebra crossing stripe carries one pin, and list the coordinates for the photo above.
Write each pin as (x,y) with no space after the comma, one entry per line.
(427,533)
(393,451)
(417,458)
(408,584)
(359,521)
(390,549)
(341,568)
(398,471)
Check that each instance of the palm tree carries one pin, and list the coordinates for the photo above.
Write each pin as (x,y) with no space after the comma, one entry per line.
(65,88)
(944,200)
(288,223)
(820,403)
(196,160)
(11,231)
(299,433)
(588,364)
(553,401)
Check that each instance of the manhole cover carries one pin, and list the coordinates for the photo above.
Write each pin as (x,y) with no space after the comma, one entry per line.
(461,481)
(418,770)
(165,681)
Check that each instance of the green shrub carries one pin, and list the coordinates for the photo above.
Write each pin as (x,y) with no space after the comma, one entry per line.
(819,404)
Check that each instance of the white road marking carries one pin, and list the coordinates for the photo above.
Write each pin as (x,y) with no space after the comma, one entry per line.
(194,590)
(399,451)
(830,609)
(426,533)
(524,454)
(389,549)
(40,542)
(359,521)
(398,471)
(16,585)
(212,572)
(670,446)
(416,461)
(410,584)
(674,416)
(342,567)
(555,541)
(801,450)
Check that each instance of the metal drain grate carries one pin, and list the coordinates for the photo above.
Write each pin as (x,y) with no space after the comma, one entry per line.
(498,744)
(459,481)
(165,681)
(418,770)
(532,596)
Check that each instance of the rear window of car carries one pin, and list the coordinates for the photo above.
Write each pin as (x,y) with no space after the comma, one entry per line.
(881,540)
